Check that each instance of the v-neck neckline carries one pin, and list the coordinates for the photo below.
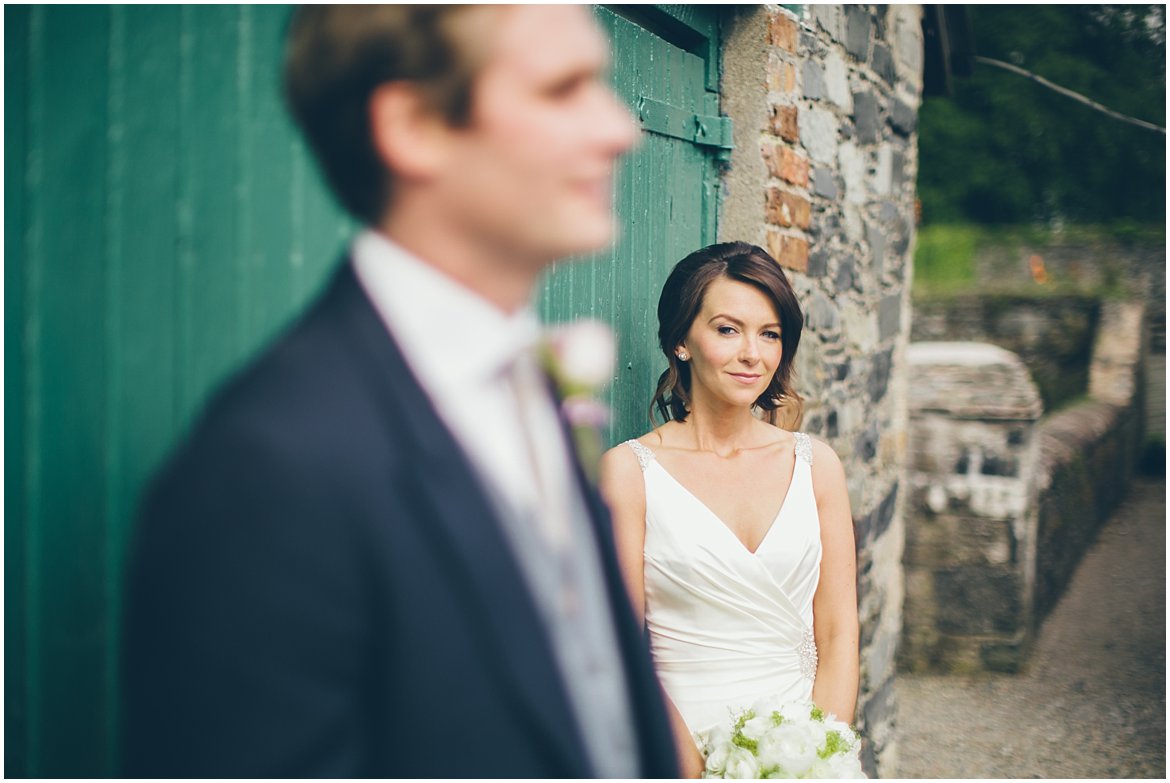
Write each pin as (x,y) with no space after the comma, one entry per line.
(720,520)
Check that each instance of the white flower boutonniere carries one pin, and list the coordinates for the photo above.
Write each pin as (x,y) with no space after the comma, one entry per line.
(579,356)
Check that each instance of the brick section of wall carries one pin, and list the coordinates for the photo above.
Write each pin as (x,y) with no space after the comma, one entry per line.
(790,251)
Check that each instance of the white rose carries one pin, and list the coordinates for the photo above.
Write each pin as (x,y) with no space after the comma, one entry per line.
(764,707)
(795,743)
(771,754)
(741,764)
(796,711)
(757,727)
(585,353)
(717,758)
(844,766)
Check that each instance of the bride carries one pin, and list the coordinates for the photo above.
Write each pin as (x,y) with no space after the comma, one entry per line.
(735,536)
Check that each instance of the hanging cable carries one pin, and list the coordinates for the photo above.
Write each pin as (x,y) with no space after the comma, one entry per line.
(1076,96)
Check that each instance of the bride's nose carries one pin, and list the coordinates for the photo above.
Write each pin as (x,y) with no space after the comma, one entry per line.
(749,352)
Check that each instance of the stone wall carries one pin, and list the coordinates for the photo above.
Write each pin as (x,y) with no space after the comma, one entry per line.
(971,532)
(1002,511)
(1090,451)
(1052,334)
(1046,330)
(825,106)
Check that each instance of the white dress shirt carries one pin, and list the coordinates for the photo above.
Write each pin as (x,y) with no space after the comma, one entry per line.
(462,350)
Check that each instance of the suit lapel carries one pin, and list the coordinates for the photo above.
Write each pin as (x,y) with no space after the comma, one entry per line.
(445,491)
(650,717)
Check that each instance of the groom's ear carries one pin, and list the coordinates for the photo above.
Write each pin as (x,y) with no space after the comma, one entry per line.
(409,136)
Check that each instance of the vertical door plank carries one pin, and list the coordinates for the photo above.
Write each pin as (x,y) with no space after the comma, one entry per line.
(16,56)
(72,619)
(268,141)
(210,323)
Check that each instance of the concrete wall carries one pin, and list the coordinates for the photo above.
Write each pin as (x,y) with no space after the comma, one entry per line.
(825,111)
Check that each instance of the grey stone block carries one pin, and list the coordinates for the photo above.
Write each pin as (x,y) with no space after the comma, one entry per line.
(822,315)
(883,63)
(865,117)
(857,31)
(846,273)
(824,184)
(901,235)
(903,118)
(889,316)
(813,79)
(877,247)
(879,375)
(818,262)
(897,169)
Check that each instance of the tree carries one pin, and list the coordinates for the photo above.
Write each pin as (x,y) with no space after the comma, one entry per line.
(1004,149)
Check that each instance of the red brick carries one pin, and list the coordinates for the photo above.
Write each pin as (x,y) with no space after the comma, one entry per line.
(786,209)
(784,123)
(790,252)
(782,32)
(787,164)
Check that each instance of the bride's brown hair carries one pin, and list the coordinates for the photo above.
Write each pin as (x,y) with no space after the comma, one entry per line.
(679,305)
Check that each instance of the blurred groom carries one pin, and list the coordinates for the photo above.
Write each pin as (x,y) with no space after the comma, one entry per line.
(374,555)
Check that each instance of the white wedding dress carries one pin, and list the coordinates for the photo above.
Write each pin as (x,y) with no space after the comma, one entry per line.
(729,626)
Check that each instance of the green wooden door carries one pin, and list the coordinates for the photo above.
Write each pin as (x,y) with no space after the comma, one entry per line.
(664,58)
(162,220)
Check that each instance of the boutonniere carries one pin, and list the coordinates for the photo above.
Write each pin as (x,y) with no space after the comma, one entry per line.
(579,357)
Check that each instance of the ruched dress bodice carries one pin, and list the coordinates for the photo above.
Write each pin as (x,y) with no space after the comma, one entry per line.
(728,626)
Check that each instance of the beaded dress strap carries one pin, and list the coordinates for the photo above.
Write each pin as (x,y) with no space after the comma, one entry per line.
(803,447)
(645,455)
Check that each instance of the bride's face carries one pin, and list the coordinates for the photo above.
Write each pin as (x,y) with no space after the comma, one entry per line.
(733,345)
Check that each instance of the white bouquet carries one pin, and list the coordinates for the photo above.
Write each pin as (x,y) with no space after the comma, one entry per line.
(773,740)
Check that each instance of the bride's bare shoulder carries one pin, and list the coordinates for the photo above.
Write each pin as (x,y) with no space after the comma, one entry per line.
(771,437)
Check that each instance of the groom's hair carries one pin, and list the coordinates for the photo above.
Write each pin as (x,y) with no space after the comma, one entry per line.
(680,303)
(336,56)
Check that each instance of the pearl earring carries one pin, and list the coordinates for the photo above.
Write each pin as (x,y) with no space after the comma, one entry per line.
(683,356)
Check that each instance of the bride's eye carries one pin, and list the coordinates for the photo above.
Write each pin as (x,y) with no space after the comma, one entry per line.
(725,329)
(772,335)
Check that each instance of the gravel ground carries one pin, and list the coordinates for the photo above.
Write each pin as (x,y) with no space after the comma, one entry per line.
(1092,701)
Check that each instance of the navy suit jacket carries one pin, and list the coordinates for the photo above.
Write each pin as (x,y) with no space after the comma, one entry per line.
(319,587)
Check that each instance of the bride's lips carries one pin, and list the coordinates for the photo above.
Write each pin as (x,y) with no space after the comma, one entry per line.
(745,378)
